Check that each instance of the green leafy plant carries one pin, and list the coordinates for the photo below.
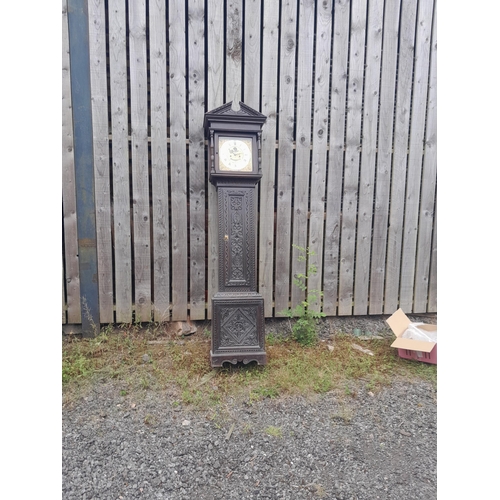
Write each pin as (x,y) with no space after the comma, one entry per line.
(304,328)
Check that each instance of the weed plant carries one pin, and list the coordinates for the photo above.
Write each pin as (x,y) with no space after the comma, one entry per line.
(304,329)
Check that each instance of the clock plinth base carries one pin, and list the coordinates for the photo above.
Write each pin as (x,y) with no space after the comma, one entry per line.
(237,328)
(218,360)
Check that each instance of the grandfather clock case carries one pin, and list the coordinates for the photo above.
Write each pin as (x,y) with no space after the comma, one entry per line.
(234,159)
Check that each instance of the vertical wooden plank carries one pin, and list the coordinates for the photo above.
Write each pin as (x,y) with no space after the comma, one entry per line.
(234,47)
(368,155)
(305,59)
(384,155)
(427,202)
(400,156)
(251,66)
(432,301)
(63,297)
(120,162)
(215,98)
(413,184)
(270,40)
(196,57)
(78,29)
(72,276)
(177,47)
(140,176)
(288,44)
(352,156)
(336,156)
(159,160)
(319,146)
(99,86)
(215,55)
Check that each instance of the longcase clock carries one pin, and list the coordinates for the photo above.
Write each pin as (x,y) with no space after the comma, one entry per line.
(234,142)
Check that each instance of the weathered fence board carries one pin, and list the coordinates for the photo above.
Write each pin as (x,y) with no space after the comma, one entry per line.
(99,84)
(196,92)
(432,300)
(159,160)
(286,122)
(352,157)
(319,146)
(415,155)
(423,287)
(348,153)
(81,99)
(374,29)
(234,50)
(252,44)
(178,196)
(338,95)
(214,98)
(384,155)
(140,177)
(305,59)
(72,273)
(400,155)
(270,38)
(120,161)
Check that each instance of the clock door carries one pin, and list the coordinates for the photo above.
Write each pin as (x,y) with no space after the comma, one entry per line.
(237,238)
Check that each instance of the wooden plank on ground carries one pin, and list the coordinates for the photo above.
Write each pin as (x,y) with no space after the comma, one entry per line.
(234,50)
(252,44)
(197,178)
(270,40)
(159,160)
(400,156)
(214,98)
(352,157)
(72,276)
(415,156)
(305,59)
(368,155)
(120,163)
(177,48)
(319,146)
(336,156)
(286,122)
(427,201)
(384,155)
(99,86)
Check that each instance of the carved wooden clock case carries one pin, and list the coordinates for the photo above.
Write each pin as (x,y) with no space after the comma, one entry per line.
(234,143)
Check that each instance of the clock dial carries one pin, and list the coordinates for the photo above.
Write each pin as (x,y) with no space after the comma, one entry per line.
(235,154)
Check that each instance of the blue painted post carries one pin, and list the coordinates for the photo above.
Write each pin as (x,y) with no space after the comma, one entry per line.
(84,170)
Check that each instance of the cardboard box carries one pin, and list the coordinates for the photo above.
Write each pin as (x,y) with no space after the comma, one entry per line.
(408,348)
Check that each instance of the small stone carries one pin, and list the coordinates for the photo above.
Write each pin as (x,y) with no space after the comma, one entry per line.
(146,358)
(184,328)
(186,422)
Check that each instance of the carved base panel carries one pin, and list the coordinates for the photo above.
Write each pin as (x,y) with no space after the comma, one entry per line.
(237,328)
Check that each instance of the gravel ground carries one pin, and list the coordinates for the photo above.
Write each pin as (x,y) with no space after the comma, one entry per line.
(365,445)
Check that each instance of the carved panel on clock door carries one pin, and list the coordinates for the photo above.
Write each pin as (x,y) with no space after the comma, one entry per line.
(238,232)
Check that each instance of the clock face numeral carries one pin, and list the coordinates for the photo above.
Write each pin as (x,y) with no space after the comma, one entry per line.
(235,154)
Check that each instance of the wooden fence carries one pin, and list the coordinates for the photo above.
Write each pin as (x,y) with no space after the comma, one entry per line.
(348,152)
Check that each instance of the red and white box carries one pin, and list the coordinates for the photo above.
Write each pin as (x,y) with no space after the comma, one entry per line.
(417,348)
